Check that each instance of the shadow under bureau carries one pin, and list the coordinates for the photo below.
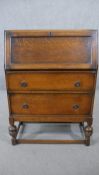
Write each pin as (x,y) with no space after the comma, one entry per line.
(51,77)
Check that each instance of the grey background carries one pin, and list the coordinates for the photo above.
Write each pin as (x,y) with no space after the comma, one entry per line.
(45,14)
(46,159)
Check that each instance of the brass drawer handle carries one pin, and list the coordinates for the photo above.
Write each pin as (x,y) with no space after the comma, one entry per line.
(76,106)
(25,106)
(77,84)
(24,84)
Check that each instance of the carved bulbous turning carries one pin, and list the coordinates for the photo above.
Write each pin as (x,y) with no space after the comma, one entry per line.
(88,133)
(13,133)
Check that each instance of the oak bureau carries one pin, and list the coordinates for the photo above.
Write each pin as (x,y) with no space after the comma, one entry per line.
(51,78)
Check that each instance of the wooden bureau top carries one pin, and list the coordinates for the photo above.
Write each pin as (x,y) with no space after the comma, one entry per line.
(50,49)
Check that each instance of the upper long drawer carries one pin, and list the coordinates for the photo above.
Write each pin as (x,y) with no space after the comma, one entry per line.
(52,80)
(51,49)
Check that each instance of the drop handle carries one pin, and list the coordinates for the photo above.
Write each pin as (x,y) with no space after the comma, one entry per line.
(77,84)
(76,106)
(24,84)
(25,106)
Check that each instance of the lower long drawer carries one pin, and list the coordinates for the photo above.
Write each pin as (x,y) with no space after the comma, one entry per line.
(50,103)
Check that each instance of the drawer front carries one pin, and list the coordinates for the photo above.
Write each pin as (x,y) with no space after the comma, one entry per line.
(50,81)
(50,103)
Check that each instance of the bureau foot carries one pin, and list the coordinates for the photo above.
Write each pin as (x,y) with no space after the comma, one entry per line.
(88,132)
(13,134)
(13,141)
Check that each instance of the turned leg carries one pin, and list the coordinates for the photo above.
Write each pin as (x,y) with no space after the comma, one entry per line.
(81,124)
(88,132)
(13,133)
